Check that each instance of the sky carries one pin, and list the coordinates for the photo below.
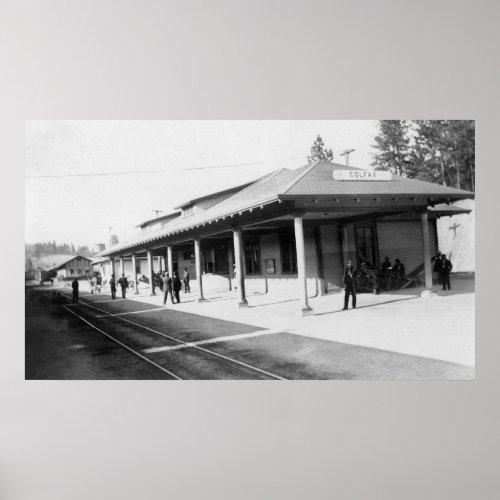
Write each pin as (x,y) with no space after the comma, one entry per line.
(87,179)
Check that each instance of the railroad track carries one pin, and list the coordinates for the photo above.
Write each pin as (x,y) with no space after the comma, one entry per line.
(181,343)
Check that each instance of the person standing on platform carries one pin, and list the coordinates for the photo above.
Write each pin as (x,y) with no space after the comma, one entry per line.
(350,275)
(438,266)
(185,278)
(399,273)
(167,289)
(386,273)
(75,286)
(446,267)
(177,285)
(112,285)
(123,282)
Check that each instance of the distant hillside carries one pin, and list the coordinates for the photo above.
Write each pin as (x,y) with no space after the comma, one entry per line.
(457,238)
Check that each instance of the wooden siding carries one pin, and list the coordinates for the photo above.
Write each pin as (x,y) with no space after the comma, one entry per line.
(331,251)
(403,240)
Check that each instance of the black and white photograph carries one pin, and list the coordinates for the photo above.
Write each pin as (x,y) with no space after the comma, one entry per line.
(259,261)
(241,250)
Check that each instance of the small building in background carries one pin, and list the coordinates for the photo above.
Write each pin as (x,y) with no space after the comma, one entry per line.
(60,267)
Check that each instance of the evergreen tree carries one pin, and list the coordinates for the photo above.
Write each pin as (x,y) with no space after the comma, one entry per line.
(444,152)
(319,152)
(393,145)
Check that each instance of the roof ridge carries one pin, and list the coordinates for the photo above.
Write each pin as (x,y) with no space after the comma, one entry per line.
(300,176)
(238,187)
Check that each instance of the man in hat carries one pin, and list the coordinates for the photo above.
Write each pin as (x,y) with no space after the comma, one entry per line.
(167,288)
(350,275)
(75,285)
(446,268)
(112,285)
(123,282)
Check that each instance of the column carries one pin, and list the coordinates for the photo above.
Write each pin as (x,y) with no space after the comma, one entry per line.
(301,265)
(170,261)
(122,266)
(112,266)
(230,262)
(238,261)
(345,244)
(150,273)
(427,250)
(197,256)
(134,274)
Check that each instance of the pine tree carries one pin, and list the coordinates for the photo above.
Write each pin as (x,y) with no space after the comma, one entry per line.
(319,152)
(393,144)
(444,152)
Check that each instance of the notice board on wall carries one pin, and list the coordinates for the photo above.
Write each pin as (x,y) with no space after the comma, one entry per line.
(270,266)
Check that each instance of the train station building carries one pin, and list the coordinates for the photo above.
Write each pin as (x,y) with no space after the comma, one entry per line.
(292,230)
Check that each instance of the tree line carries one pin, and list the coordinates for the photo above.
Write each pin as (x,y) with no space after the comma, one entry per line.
(439,151)
(51,248)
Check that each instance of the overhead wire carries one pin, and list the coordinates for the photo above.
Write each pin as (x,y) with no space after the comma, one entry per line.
(135,172)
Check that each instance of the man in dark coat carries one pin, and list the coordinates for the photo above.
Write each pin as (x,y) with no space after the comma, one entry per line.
(386,273)
(167,289)
(112,285)
(123,282)
(177,285)
(74,286)
(399,273)
(446,268)
(350,275)
(437,268)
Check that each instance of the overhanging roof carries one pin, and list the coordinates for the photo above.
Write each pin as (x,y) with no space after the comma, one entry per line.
(315,180)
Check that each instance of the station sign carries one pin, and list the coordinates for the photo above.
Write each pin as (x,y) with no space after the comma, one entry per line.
(362,175)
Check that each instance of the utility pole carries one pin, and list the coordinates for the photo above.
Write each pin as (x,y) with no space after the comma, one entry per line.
(346,153)
(157,212)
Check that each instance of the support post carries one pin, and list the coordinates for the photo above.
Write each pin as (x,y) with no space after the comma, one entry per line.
(301,265)
(197,256)
(238,260)
(122,266)
(170,261)
(345,245)
(427,253)
(134,275)
(150,273)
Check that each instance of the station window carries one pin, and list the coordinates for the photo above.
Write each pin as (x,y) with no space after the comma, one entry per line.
(252,257)
(188,255)
(288,253)
(71,270)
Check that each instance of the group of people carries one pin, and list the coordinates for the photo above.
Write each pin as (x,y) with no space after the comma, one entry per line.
(169,285)
(390,275)
(442,267)
(122,282)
